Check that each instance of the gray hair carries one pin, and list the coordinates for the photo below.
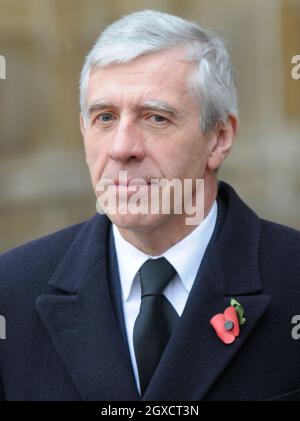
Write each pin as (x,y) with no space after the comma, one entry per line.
(143,32)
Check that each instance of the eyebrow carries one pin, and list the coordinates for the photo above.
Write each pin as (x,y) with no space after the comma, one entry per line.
(98,105)
(158,105)
(150,104)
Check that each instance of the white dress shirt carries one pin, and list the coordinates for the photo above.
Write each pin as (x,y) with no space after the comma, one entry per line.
(185,256)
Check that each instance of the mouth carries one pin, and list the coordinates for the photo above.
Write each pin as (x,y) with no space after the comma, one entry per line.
(131,187)
(124,184)
(132,182)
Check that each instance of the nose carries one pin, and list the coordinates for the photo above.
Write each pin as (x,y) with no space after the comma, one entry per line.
(127,143)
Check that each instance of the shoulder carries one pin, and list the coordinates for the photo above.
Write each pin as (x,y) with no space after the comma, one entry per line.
(276,238)
(279,260)
(276,246)
(36,260)
(279,239)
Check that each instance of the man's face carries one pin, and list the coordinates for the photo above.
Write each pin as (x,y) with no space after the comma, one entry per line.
(127,131)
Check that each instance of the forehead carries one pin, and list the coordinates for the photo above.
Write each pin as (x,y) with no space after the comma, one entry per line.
(163,74)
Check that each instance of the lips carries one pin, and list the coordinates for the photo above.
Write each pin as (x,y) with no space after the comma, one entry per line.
(131,182)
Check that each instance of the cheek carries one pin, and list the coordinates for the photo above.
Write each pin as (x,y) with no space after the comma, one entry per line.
(95,153)
(197,151)
(187,159)
(198,156)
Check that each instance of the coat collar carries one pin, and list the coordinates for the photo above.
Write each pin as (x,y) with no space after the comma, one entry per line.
(81,323)
(194,357)
(235,255)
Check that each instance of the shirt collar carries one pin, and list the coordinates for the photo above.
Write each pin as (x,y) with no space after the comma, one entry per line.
(185,256)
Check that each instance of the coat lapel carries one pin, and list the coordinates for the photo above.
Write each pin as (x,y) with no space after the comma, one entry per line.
(195,357)
(81,323)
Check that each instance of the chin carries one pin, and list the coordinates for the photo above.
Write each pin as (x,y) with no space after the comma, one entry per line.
(136,222)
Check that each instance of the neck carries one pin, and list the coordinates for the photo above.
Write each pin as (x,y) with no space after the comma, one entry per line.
(156,240)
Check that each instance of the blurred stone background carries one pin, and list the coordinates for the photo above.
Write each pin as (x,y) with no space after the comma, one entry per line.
(44,181)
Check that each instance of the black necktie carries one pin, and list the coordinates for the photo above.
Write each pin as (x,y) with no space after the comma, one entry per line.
(156,319)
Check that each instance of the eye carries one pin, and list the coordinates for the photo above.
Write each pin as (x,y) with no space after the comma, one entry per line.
(105,117)
(156,118)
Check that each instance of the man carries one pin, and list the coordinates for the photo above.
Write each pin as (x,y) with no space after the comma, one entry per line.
(132,305)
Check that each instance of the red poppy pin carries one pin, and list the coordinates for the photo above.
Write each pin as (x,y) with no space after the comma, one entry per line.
(227,325)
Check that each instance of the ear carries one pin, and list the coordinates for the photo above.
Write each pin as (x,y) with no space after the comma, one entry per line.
(222,140)
(81,121)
